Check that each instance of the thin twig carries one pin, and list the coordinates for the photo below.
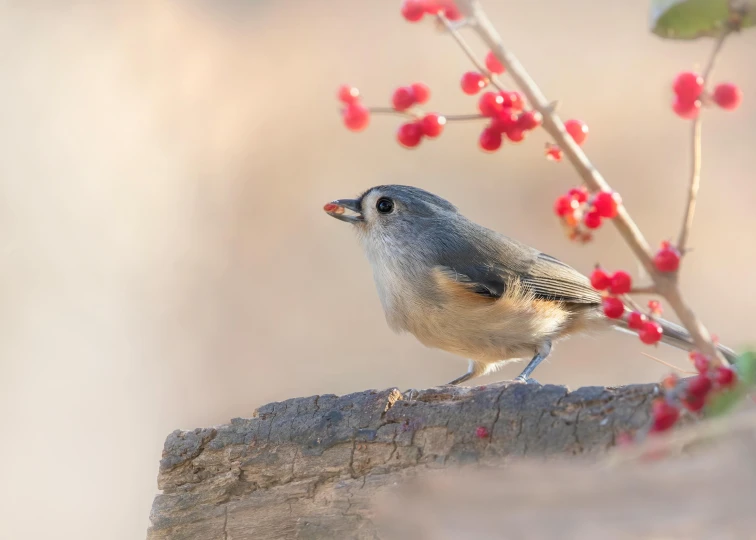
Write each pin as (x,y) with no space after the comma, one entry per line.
(409,114)
(454,31)
(695,169)
(665,283)
(681,370)
(649,289)
(626,299)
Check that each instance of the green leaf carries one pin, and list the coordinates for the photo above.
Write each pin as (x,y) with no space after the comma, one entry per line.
(723,402)
(746,367)
(692,19)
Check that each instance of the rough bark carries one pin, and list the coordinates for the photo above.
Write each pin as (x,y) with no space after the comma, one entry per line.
(313,467)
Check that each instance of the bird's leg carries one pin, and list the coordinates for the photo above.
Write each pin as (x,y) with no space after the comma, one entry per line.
(473,370)
(541,353)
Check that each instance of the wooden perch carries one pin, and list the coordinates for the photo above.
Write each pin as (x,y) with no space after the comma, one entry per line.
(312,467)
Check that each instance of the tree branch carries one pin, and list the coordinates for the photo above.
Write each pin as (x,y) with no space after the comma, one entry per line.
(665,283)
(695,172)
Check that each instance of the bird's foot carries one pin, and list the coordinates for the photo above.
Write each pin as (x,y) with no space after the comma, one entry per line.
(526,380)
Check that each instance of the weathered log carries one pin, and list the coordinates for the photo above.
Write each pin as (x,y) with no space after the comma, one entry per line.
(312,467)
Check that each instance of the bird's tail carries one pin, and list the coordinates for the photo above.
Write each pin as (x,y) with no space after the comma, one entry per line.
(677,336)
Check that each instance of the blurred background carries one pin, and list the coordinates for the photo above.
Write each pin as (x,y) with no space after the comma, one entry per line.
(165,260)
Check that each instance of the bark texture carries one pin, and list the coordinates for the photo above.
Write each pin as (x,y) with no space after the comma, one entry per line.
(313,467)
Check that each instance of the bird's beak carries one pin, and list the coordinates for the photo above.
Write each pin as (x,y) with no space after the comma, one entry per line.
(337,209)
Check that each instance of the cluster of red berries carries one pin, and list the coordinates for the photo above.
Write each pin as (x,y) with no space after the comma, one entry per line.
(415,10)
(690,95)
(617,284)
(507,118)
(355,115)
(505,110)
(579,210)
(692,393)
(430,125)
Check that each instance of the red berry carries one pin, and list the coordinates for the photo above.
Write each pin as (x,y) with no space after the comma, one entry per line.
(452,13)
(356,117)
(600,280)
(686,109)
(624,439)
(699,386)
(670,381)
(529,120)
(403,98)
(700,361)
(481,432)
(580,194)
(421,92)
(621,282)
(553,152)
(410,134)
(413,10)
(433,124)
(592,219)
(489,103)
(664,415)
(688,86)
(654,306)
(505,120)
(667,259)
(571,220)
(636,320)
(650,333)
(564,205)
(515,135)
(490,139)
(577,130)
(724,376)
(613,307)
(694,403)
(492,64)
(606,203)
(584,237)
(728,96)
(348,94)
(514,100)
(472,82)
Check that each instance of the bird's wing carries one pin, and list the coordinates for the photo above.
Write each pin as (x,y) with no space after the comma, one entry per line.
(550,278)
(487,263)
(486,282)
(546,277)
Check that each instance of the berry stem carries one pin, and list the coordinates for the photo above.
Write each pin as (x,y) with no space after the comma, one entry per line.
(409,114)
(666,284)
(627,299)
(681,370)
(648,289)
(695,169)
(454,31)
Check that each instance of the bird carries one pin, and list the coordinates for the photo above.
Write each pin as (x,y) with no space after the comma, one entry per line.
(463,288)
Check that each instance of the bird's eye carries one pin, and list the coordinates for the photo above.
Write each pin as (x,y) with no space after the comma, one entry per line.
(384,205)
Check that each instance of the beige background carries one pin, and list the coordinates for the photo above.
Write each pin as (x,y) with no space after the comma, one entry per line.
(165,259)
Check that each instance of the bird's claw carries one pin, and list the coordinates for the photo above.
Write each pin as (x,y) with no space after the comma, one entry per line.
(526,380)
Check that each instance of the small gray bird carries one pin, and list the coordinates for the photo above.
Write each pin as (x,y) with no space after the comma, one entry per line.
(463,288)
